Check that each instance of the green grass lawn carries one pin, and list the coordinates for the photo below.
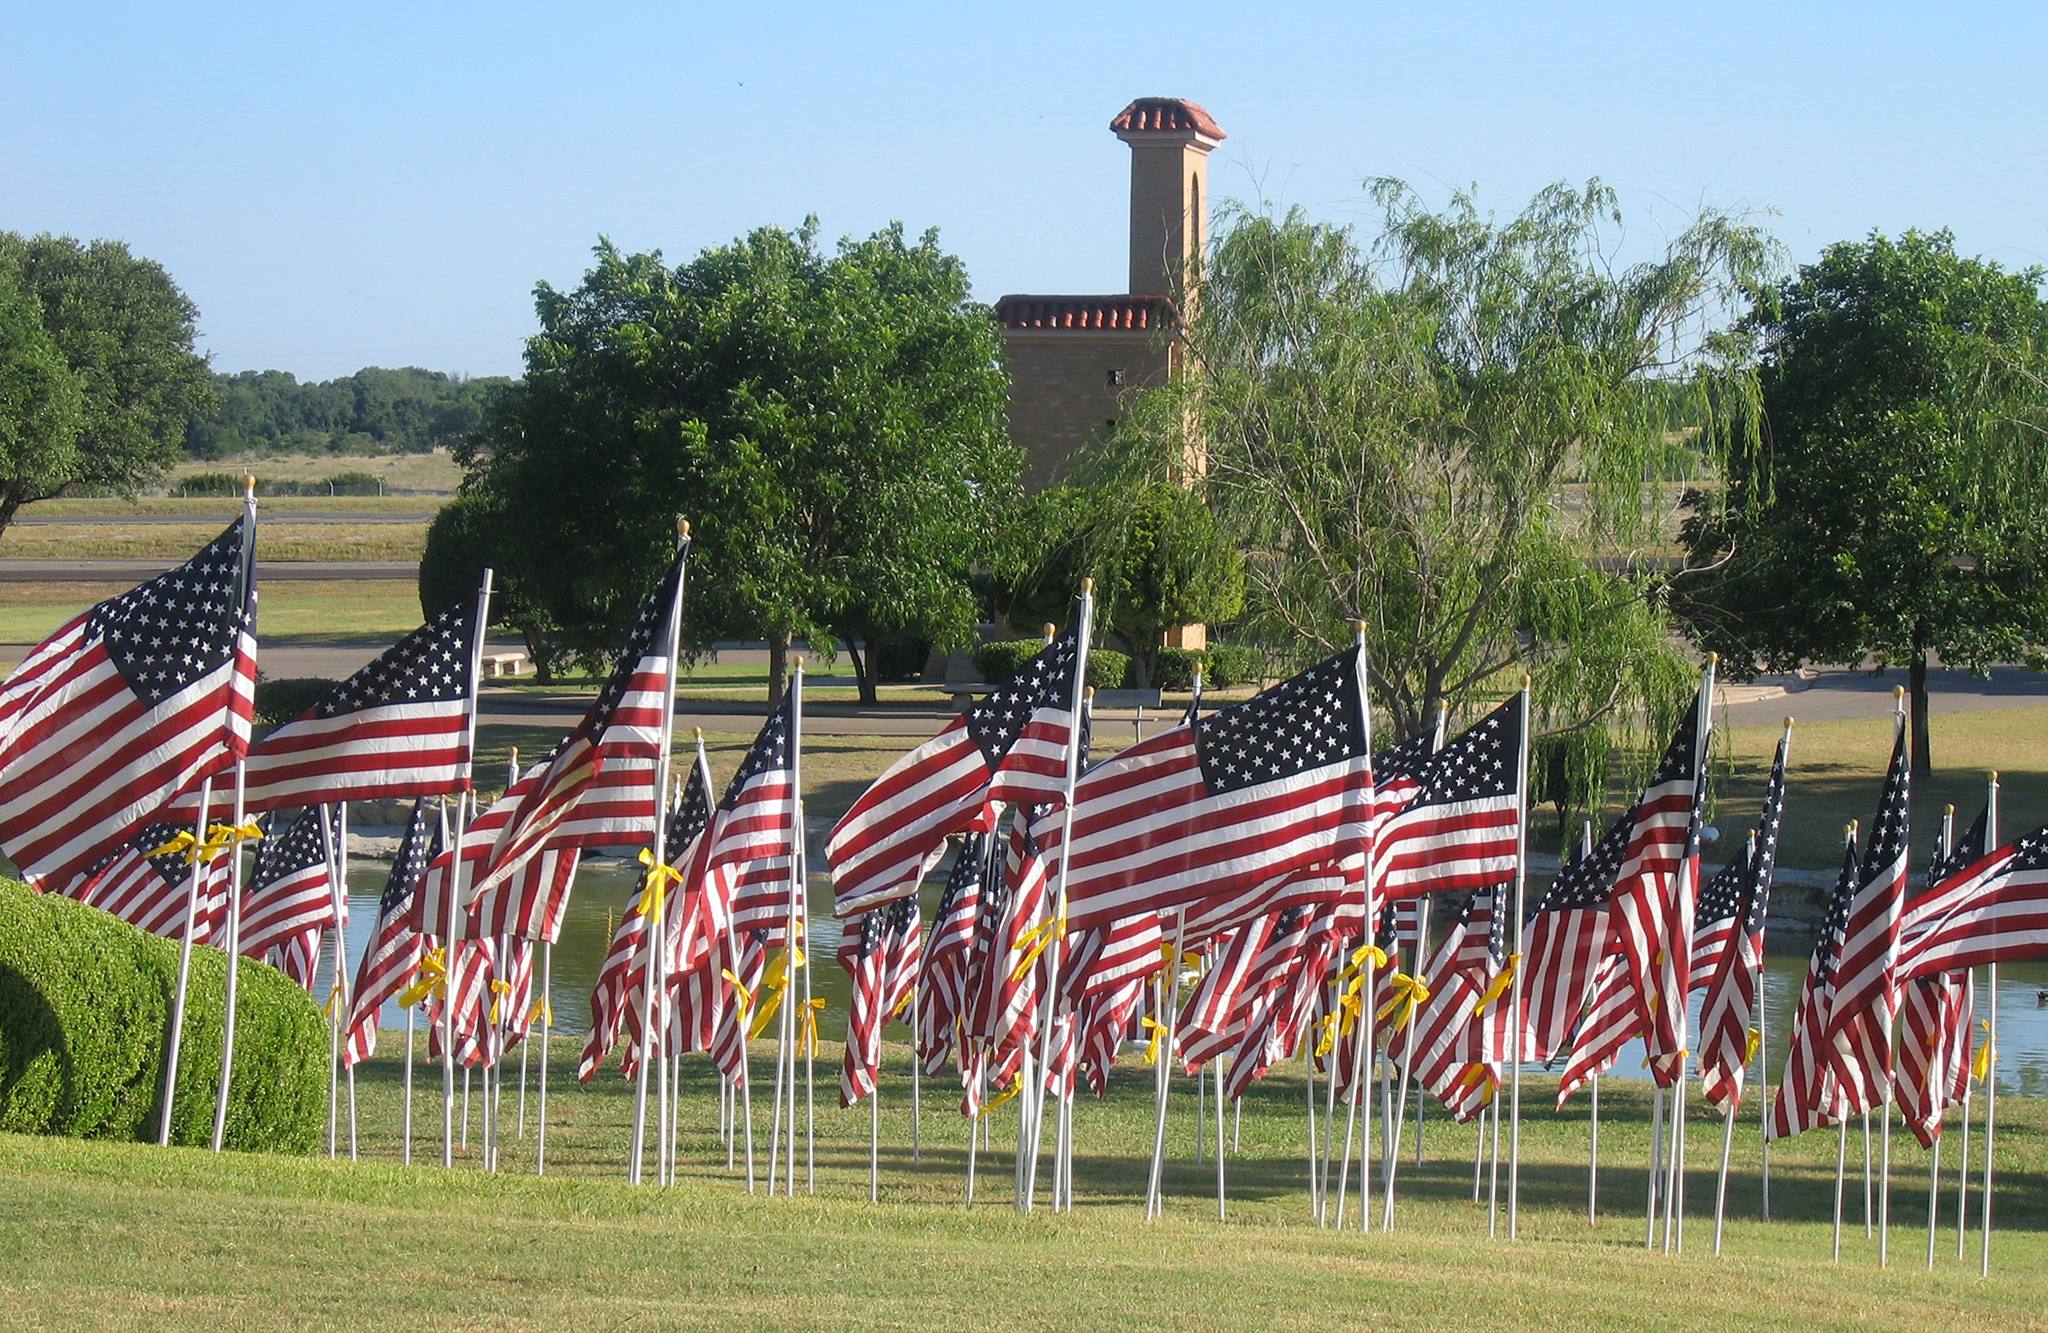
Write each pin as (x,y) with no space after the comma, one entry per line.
(293,610)
(278,539)
(130,1235)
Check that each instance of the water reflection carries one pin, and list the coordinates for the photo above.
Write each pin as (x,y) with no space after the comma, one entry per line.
(603,886)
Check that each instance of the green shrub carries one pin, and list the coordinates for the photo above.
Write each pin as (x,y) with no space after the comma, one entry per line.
(1177,668)
(1000,661)
(1233,664)
(1109,670)
(279,701)
(899,656)
(85,1003)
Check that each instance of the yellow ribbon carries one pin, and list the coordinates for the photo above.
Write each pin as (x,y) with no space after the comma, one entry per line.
(1980,1063)
(1016,1086)
(1158,1030)
(807,1024)
(219,837)
(1473,1074)
(775,980)
(1410,993)
(499,990)
(1189,959)
(1756,1039)
(333,1006)
(1499,985)
(543,1013)
(1034,942)
(1327,1025)
(433,979)
(660,874)
(1363,954)
(902,1004)
(739,988)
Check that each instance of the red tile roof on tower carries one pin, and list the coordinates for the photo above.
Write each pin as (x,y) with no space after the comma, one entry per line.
(1166,114)
(1102,313)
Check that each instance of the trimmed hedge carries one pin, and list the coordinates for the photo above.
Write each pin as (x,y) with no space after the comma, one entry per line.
(1177,668)
(999,661)
(279,701)
(85,1005)
(1233,664)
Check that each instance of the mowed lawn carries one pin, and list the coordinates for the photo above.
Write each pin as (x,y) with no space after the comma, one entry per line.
(292,610)
(127,1235)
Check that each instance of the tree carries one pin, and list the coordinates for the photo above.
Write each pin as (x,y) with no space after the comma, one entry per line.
(1157,555)
(834,424)
(123,331)
(1895,505)
(1455,432)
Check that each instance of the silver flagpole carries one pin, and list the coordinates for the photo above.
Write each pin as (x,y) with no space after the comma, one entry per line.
(1728,1130)
(337,993)
(192,893)
(1479,1154)
(451,938)
(651,969)
(1593,1121)
(1963,1171)
(405,1142)
(1841,1172)
(1514,1052)
(243,587)
(1991,1062)
(1222,1213)
(1419,953)
(1656,1162)
(1941,853)
(1364,1044)
(227,1044)
(916,1073)
(807,1032)
(547,1022)
(1155,1196)
(1884,1170)
(1031,1106)
(341,953)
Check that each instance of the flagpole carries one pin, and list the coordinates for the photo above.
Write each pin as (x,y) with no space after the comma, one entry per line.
(338,991)
(244,587)
(1364,1044)
(1991,1044)
(1419,953)
(655,886)
(1155,1201)
(1884,1170)
(916,1071)
(405,1142)
(1734,1102)
(341,954)
(1656,1162)
(808,1032)
(1032,1108)
(1515,978)
(1842,1145)
(547,1020)
(1963,1161)
(451,937)
(1942,851)
(192,898)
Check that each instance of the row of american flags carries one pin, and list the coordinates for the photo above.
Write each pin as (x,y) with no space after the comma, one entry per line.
(1259,850)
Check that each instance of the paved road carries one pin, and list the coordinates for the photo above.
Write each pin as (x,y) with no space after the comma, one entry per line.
(1831,696)
(19,570)
(275,516)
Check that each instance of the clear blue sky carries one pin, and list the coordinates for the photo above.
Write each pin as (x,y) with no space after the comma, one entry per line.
(341,185)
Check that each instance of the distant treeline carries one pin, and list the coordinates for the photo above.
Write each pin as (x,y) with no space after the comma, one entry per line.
(374,411)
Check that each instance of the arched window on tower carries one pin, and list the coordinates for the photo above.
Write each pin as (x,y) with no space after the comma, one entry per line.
(1197,234)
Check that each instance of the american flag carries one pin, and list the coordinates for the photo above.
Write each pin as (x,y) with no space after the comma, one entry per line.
(1562,942)
(904,948)
(1720,913)
(1650,911)
(297,956)
(153,892)
(615,999)
(129,704)
(1460,830)
(1456,1042)
(398,727)
(947,955)
(1006,1001)
(864,955)
(597,788)
(396,947)
(1296,958)
(1935,1012)
(1731,972)
(753,831)
(291,889)
(1992,911)
(1809,1095)
(1863,997)
(729,1033)
(1010,748)
(1212,1020)
(1254,793)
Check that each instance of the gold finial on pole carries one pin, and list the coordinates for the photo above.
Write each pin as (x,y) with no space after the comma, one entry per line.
(699,734)
(683,528)
(1087,587)
(248,483)
(1713,659)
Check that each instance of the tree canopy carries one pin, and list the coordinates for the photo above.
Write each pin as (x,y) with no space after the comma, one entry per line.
(403,411)
(1455,430)
(1895,504)
(832,422)
(98,377)
(1158,557)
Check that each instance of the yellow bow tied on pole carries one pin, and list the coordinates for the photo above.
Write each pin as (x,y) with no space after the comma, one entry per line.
(1499,985)
(1016,1086)
(1756,1039)
(1362,955)
(1409,995)
(1158,1030)
(333,1006)
(433,979)
(219,837)
(904,1003)
(499,990)
(739,988)
(660,874)
(543,1013)
(1980,1063)
(1190,959)
(1327,1026)
(807,1024)
(1474,1074)
(775,981)
(1034,941)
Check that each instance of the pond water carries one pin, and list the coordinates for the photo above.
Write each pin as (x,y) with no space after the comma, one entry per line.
(603,886)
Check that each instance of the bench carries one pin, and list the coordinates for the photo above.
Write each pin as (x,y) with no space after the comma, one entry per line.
(510,663)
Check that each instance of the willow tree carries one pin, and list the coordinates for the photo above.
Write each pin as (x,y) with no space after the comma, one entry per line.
(1457,430)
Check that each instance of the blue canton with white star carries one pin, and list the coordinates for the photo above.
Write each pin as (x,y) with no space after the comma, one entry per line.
(1047,681)
(182,624)
(1308,722)
(429,665)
